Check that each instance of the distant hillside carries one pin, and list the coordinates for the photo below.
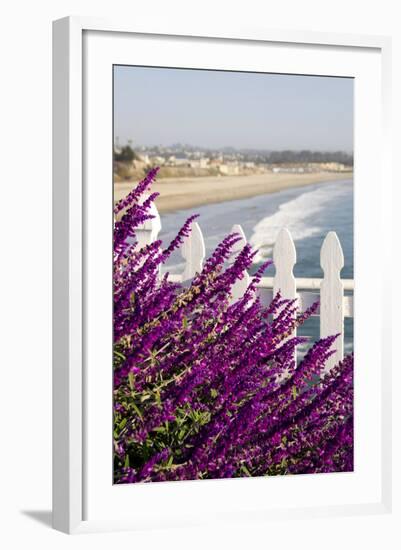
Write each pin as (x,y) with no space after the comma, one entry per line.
(340,157)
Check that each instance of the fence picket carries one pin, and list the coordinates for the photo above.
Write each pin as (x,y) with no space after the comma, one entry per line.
(239,287)
(193,251)
(331,295)
(147,232)
(284,258)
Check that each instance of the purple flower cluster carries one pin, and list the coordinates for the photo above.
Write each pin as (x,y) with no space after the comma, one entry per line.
(208,388)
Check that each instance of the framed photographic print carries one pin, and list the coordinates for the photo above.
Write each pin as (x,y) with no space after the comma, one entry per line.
(220,348)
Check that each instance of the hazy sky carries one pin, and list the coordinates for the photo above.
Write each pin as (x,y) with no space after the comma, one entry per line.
(156,106)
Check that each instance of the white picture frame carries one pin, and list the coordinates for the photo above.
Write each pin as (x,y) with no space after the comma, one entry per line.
(74,403)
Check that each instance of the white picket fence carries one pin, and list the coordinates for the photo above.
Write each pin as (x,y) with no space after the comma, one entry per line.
(329,290)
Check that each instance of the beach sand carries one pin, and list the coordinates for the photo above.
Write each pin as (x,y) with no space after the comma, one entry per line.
(184,193)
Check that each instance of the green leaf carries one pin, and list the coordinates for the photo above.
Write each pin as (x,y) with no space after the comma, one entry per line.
(157,397)
(170,461)
(138,412)
(159,429)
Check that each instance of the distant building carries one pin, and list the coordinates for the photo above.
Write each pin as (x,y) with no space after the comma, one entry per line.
(144,158)
(216,161)
(229,169)
(309,167)
(181,162)
(199,163)
(177,161)
(157,160)
(288,169)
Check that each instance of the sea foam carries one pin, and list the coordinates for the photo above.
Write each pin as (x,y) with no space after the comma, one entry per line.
(299,215)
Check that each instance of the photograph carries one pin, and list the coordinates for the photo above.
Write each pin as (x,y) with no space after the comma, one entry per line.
(233,274)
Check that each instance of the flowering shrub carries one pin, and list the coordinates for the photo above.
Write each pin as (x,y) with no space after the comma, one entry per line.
(208,388)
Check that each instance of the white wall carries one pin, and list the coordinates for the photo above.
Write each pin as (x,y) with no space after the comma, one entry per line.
(25,200)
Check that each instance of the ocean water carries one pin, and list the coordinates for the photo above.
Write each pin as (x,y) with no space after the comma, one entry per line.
(308,212)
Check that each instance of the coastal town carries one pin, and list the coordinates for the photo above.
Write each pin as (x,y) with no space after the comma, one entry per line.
(186,161)
(189,176)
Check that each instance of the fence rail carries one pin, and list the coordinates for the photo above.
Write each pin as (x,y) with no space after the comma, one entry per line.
(329,290)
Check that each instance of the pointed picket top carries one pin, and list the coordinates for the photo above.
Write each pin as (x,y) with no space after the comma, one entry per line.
(239,245)
(284,259)
(331,254)
(331,296)
(193,251)
(284,251)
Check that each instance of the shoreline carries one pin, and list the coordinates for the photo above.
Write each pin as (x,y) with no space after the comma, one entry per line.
(185,193)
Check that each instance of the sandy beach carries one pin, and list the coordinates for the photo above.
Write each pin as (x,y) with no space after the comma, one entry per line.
(183,193)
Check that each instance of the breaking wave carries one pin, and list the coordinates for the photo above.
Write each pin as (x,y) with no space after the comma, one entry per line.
(299,215)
